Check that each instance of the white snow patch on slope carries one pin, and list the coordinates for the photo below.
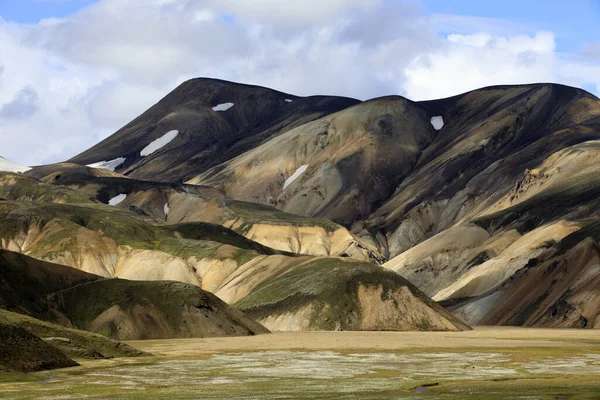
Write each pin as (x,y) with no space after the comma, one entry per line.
(159,143)
(437,122)
(166,209)
(117,199)
(223,107)
(295,175)
(109,165)
(289,100)
(9,166)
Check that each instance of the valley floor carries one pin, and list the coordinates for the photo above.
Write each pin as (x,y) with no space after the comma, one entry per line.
(487,363)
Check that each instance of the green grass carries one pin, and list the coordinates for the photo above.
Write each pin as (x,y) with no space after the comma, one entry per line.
(105,346)
(330,285)
(253,213)
(236,377)
(186,248)
(33,190)
(198,240)
(84,303)
(216,233)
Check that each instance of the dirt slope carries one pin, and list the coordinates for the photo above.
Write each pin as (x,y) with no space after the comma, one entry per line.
(117,308)
(164,203)
(332,294)
(351,161)
(561,292)
(130,310)
(76,343)
(206,137)
(461,196)
(25,352)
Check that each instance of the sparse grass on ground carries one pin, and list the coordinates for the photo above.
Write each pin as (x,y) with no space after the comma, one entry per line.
(492,363)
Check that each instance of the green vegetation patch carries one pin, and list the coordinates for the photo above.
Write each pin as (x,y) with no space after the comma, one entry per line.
(84,303)
(22,351)
(101,344)
(256,213)
(330,284)
(217,233)
(199,240)
(19,187)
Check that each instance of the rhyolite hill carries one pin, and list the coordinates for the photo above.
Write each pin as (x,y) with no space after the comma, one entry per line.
(332,213)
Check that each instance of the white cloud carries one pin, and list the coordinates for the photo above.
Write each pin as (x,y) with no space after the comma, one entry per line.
(67,83)
(294,12)
(468,62)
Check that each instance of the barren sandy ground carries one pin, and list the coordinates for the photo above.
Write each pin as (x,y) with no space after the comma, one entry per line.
(479,338)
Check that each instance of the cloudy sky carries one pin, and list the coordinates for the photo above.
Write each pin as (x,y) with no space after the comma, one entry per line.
(74,71)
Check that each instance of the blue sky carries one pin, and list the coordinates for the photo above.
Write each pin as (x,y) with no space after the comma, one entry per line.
(32,11)
(575,22)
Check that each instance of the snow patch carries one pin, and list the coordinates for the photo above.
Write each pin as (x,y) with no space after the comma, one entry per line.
(295,175)
(289,100)
(437,122)
(166,209)
(159,143)
(223,107)
(117,199)
(9,166)
(109,165)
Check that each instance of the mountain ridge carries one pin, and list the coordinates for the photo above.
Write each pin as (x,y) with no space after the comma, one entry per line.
(461,195)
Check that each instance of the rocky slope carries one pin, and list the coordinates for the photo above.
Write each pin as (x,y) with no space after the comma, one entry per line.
(201,124)
(558,288)
(335,294)
(24,352)
(116,243)
(174,204)
(340,167)
(468,197)
(116,308)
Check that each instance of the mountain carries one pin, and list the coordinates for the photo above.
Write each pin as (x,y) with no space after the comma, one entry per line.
(332,294)
(201,124)
(474,199)
(340,167)
(176,204)
(127,243)
(75,343)
(116,308)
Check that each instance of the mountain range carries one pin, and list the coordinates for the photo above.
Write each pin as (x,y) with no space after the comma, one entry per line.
(315,213)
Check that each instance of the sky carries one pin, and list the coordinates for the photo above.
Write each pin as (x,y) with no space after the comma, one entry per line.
(72,72)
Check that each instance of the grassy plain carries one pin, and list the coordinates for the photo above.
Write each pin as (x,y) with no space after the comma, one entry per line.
(486,363)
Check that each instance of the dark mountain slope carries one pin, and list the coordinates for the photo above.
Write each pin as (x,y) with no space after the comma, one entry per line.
(206,137)
(341,167)
(25,282)
(25,352)
(491,137)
